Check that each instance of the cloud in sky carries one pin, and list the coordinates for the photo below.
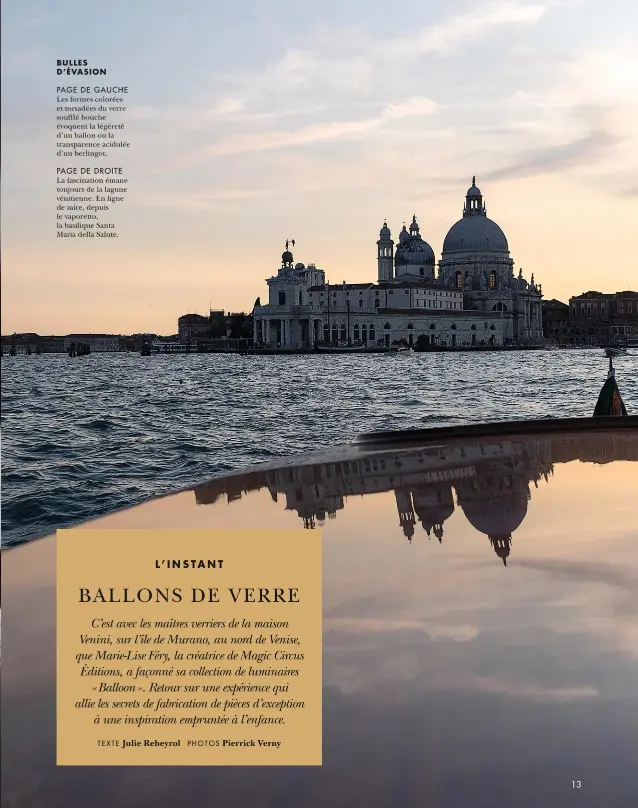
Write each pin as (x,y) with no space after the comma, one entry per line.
(321,133)
(446,37)
(353,61)
(545,159)
(299,70)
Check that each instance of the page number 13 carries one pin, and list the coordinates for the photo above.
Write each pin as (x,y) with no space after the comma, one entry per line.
(577,784)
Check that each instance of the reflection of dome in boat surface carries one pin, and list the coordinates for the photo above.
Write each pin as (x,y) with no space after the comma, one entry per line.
(432,508)
(434,516)
(497,516)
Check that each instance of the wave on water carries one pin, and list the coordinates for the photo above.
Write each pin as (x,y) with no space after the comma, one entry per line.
(98,424)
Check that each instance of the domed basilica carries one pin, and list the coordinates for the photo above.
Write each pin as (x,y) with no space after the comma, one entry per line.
(475,299)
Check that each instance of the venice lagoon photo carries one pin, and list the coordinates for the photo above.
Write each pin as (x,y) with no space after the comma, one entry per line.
(89,435)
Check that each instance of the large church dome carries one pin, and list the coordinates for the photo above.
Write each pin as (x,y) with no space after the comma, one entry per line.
(475,232)
(413,249)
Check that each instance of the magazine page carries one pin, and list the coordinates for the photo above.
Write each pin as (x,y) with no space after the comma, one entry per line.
(319,404)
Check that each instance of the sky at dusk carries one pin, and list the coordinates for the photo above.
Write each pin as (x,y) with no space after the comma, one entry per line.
(255,121)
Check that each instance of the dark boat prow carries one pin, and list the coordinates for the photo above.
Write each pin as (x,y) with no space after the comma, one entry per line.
(609,400)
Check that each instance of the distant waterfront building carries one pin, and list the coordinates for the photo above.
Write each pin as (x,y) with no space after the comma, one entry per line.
(98,343)
(135,342)
(50,344)
(34,343)
(192,326)
(596,318)
(474,300)
(556,321)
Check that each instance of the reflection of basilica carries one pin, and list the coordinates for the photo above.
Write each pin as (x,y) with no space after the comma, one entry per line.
(491,481)
(493,497)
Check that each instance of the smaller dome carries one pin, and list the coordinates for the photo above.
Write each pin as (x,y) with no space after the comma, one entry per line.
(299,266)
(385,233)
(414,250)
(286,257)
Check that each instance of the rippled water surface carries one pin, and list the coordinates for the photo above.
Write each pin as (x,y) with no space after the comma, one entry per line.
(85,436)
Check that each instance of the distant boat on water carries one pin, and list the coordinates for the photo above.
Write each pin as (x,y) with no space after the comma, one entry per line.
(332,349)
(171,348)
(615,350)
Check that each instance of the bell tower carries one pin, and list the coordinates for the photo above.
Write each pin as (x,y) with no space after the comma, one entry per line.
(385,254)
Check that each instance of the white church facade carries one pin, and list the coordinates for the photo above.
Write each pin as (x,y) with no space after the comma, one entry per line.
(475,299)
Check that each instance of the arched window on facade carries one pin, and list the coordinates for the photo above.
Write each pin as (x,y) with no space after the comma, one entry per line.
(376,302)
(459,280)
(500,306)
(282,298)
(335,333)
(371,333)
(301,298)
(344,333)
(356,333)
(364,333)
(432,326)
(453,327)
(326,334)
(493,279)
(387,326)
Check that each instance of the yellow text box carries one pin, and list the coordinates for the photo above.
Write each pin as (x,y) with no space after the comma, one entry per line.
(197,648)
